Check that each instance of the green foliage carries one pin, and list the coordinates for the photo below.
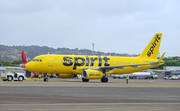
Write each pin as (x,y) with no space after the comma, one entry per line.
(7,63)
(172,62)
(17,62)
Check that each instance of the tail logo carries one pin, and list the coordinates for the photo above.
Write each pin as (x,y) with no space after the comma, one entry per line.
(153,46)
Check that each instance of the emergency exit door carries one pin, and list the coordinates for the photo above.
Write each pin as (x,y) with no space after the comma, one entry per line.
(50,61)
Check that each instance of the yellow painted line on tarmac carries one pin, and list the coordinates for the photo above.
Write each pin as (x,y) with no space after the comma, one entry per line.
(66,82)
(33,79)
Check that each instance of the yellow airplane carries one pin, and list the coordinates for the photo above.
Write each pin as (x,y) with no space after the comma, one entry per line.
(97,67)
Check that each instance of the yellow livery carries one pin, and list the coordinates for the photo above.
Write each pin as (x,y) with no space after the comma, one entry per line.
(97,67)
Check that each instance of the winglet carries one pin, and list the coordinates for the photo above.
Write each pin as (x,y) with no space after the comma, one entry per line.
(161,57)
(159,61)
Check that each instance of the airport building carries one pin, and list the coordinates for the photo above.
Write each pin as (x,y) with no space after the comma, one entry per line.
(171,72)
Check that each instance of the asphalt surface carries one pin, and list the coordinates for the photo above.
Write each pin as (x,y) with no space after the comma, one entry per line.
(72,94)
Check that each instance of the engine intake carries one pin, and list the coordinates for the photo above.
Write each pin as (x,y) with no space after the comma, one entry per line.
(92,74)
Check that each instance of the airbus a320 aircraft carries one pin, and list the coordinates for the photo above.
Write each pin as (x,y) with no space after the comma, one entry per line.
(98,67)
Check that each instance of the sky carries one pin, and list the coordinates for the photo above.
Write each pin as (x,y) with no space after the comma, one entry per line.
(120,26)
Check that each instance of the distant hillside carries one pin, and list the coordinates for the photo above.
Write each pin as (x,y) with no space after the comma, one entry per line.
(11,53)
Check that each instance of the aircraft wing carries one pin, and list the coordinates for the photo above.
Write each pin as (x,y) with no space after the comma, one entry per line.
(15,68)
(115,67)
(108,68)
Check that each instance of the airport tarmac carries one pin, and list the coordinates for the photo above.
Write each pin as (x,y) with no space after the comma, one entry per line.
(72,94)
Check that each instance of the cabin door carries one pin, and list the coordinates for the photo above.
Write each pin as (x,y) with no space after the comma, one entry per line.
(50,61)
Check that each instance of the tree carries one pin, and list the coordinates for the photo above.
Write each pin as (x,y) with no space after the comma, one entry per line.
(17,62)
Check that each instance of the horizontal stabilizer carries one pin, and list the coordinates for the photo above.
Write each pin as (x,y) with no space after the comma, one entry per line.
(159,61)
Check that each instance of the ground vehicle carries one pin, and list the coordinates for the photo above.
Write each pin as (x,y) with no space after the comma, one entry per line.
(123,76)
(13,76)
(143,75)
(167,77)
(175,77)
(146,74)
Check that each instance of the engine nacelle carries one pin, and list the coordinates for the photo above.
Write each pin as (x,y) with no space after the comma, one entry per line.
(66,75)
(92,74)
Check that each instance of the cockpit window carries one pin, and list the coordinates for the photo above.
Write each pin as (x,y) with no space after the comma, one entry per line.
(37,60)
(34,60)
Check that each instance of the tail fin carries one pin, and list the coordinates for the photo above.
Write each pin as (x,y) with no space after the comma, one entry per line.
(24,60)
(152,49)
(1,64)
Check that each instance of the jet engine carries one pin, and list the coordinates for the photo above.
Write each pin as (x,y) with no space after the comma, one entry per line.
(92,74)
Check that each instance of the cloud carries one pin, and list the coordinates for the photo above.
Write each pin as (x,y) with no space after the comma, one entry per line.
(114,26)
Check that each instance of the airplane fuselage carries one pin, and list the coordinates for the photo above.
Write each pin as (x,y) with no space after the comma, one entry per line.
(74,64)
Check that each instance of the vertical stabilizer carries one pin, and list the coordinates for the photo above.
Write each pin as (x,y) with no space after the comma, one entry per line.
(152,49)
(1,64)
(24,60)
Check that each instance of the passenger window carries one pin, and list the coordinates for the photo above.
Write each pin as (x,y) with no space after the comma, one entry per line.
(40,60)
(37,60)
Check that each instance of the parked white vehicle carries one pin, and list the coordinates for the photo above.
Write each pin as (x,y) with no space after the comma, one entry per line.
(175,77)
(13,76)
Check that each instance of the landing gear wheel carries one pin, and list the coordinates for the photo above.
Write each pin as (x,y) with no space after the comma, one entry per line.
(104,79)
(20,78)
(45,79)
(10,78)
(85,80)
(4,79)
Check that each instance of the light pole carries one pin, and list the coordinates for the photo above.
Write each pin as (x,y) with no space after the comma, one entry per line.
(93,47)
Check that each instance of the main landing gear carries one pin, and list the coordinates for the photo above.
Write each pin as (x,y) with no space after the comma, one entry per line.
(85,80)
(104,79)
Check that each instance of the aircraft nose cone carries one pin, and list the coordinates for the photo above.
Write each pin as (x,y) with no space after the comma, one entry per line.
(27,66)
